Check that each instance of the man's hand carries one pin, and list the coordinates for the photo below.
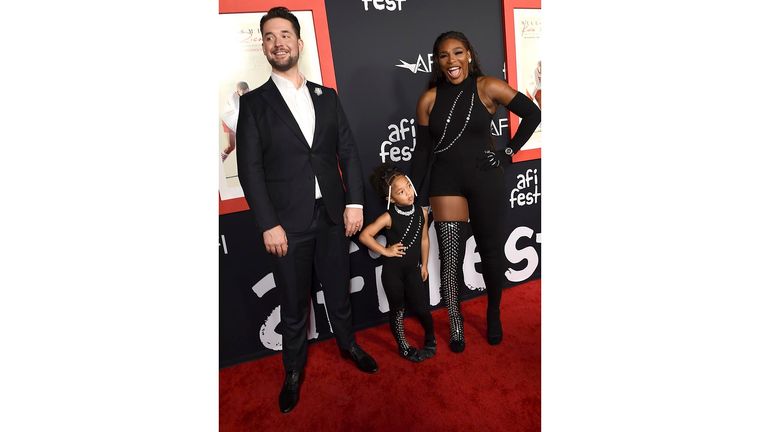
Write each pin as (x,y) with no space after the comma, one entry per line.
(275,241)
(353,220)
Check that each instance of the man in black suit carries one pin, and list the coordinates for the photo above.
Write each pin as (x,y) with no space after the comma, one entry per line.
(292,140)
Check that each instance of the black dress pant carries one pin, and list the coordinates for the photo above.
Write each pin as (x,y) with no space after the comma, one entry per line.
(323,250)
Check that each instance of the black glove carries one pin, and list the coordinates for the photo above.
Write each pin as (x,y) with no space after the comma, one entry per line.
(494,158)
(530,114)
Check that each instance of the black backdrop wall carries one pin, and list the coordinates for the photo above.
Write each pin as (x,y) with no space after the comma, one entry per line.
(382,63)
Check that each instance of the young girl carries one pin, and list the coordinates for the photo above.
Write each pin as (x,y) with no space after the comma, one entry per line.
(405,263)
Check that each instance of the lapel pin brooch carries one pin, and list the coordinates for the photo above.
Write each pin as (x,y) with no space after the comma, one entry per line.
(318,91)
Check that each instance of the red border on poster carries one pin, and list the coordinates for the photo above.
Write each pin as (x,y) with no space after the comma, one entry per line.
(511,59)
(323,37)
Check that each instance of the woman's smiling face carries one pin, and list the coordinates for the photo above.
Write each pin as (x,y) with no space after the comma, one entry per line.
(453,58)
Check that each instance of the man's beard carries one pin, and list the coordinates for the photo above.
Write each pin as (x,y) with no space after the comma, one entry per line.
(283,67)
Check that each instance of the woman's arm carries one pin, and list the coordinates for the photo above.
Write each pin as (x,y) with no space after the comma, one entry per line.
(502,94)
(420,161)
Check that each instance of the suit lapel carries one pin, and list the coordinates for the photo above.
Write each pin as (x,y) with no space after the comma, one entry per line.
(275,100)
(318,101)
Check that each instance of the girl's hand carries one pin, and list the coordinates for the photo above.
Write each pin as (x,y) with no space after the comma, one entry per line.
(424,273)
(396,250)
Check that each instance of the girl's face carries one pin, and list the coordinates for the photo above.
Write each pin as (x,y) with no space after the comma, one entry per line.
(402,192)
(453,58)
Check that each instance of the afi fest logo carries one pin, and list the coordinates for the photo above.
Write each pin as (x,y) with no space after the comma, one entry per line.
(389,5)
(498,126)
(527,190)
(419,65)
(404,133)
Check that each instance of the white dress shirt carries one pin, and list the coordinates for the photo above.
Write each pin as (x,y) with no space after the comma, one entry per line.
(299,101)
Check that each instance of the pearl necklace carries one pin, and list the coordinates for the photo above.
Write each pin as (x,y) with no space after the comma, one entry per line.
(448,121)
(406,213)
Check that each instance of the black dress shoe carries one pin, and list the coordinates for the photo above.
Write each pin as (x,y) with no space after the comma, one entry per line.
(362,360)
(289,395)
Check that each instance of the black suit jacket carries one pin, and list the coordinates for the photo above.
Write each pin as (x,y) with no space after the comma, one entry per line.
(277,167)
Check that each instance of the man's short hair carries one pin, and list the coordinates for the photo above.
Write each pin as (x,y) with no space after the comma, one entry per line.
(281,12)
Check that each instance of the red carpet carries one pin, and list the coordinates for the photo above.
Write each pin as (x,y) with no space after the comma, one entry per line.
(486,388)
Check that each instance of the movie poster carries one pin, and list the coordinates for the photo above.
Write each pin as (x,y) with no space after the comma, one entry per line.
(528,60)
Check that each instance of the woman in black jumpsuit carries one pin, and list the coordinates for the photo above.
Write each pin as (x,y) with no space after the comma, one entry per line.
(466,184)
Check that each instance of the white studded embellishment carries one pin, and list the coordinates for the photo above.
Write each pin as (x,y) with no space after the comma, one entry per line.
(448,120)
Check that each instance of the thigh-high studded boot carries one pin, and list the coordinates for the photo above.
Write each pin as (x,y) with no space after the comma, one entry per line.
(451,245)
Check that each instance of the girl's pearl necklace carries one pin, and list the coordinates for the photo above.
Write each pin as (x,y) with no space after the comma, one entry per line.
(406,212)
